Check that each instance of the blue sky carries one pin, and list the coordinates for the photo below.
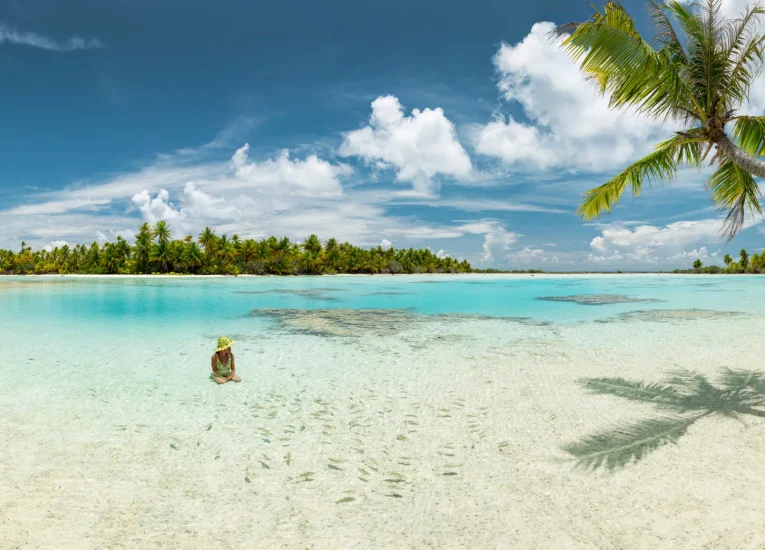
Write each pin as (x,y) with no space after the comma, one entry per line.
(450,124)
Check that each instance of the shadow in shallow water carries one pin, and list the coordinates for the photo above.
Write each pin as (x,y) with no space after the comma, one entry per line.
(672,315)
(597,299)
(684,397)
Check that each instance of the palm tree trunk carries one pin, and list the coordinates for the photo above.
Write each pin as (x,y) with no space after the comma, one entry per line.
(741,158)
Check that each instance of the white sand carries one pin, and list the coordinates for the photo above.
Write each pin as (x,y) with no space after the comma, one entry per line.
(91,465)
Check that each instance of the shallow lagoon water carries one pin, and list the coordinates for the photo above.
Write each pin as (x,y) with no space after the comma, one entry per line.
(390,412)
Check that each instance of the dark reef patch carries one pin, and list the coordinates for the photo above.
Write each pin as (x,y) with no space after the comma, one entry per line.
(597,299)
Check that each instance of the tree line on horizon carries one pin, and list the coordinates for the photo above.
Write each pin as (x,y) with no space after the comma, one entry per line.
(155,252)
(745,264)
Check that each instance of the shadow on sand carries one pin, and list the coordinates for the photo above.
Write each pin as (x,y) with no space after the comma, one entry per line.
(684,397)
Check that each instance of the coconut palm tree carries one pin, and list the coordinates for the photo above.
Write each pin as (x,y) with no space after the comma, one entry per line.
(312,244)
(193,256)
(698,76)
(207,239)
(161,253)
(143,248)
(161,231)
(727,260)
(743,259)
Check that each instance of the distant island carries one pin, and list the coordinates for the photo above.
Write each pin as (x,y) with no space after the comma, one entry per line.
(155,252)
(745,264)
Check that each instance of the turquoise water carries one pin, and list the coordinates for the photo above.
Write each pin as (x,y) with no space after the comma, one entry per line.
(195,302)
(429,411)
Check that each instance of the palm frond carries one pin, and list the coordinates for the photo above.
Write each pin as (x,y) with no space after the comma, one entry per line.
(735,191)
(617,447)
(610,51)
(744,51)
(631,389)
(661,165)
(749,133)
(665,31)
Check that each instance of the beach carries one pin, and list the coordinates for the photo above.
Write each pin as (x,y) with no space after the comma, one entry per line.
(363,426)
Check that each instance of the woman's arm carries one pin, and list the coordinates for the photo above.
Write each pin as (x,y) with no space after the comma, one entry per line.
(214,364)
(233,366)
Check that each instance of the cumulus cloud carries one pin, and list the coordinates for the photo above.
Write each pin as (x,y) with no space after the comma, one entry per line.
(441,254)
(310,176)
(570,125)
(54,244)
(651,244)
(419,147)
(196,207)
(12,36)
(696,254)
(496,243)
(386,244)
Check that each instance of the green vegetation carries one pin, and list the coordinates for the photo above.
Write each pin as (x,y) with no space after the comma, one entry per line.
(745,264)
(491,270)
(154,251)
(699,76)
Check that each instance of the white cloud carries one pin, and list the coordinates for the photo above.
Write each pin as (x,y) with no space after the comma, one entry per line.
(157,208)
(196,207)
(441,254)
(310,176)
(419,147)
(650,244)
(386,244)
(13,36)
(59,206)
(570,124)
(496,243)
(254,198)
(54,244)
(696,254)
(673,236)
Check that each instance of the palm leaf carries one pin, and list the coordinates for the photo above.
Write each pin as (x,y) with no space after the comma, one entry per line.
(665,31)
(744,51)
(630,389)
(661,165)
(614,54)
(621,445)
(735,191)
(749,132)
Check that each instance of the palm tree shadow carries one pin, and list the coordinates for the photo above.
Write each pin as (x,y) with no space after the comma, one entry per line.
(684,398)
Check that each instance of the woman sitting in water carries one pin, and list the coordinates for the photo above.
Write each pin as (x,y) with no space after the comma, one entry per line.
(223,364)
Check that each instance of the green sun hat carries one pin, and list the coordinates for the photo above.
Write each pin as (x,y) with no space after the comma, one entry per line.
(224,343)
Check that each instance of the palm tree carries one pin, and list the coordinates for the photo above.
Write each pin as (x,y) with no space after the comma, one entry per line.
(161,231)
(697,264)
(727,260)
(161,254)
(743,259)
(688,396)
(312,244)
(699,76)
(207,238)
(193,257)
(143,248)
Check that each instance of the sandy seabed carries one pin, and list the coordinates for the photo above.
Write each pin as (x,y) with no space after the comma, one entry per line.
(451,433)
